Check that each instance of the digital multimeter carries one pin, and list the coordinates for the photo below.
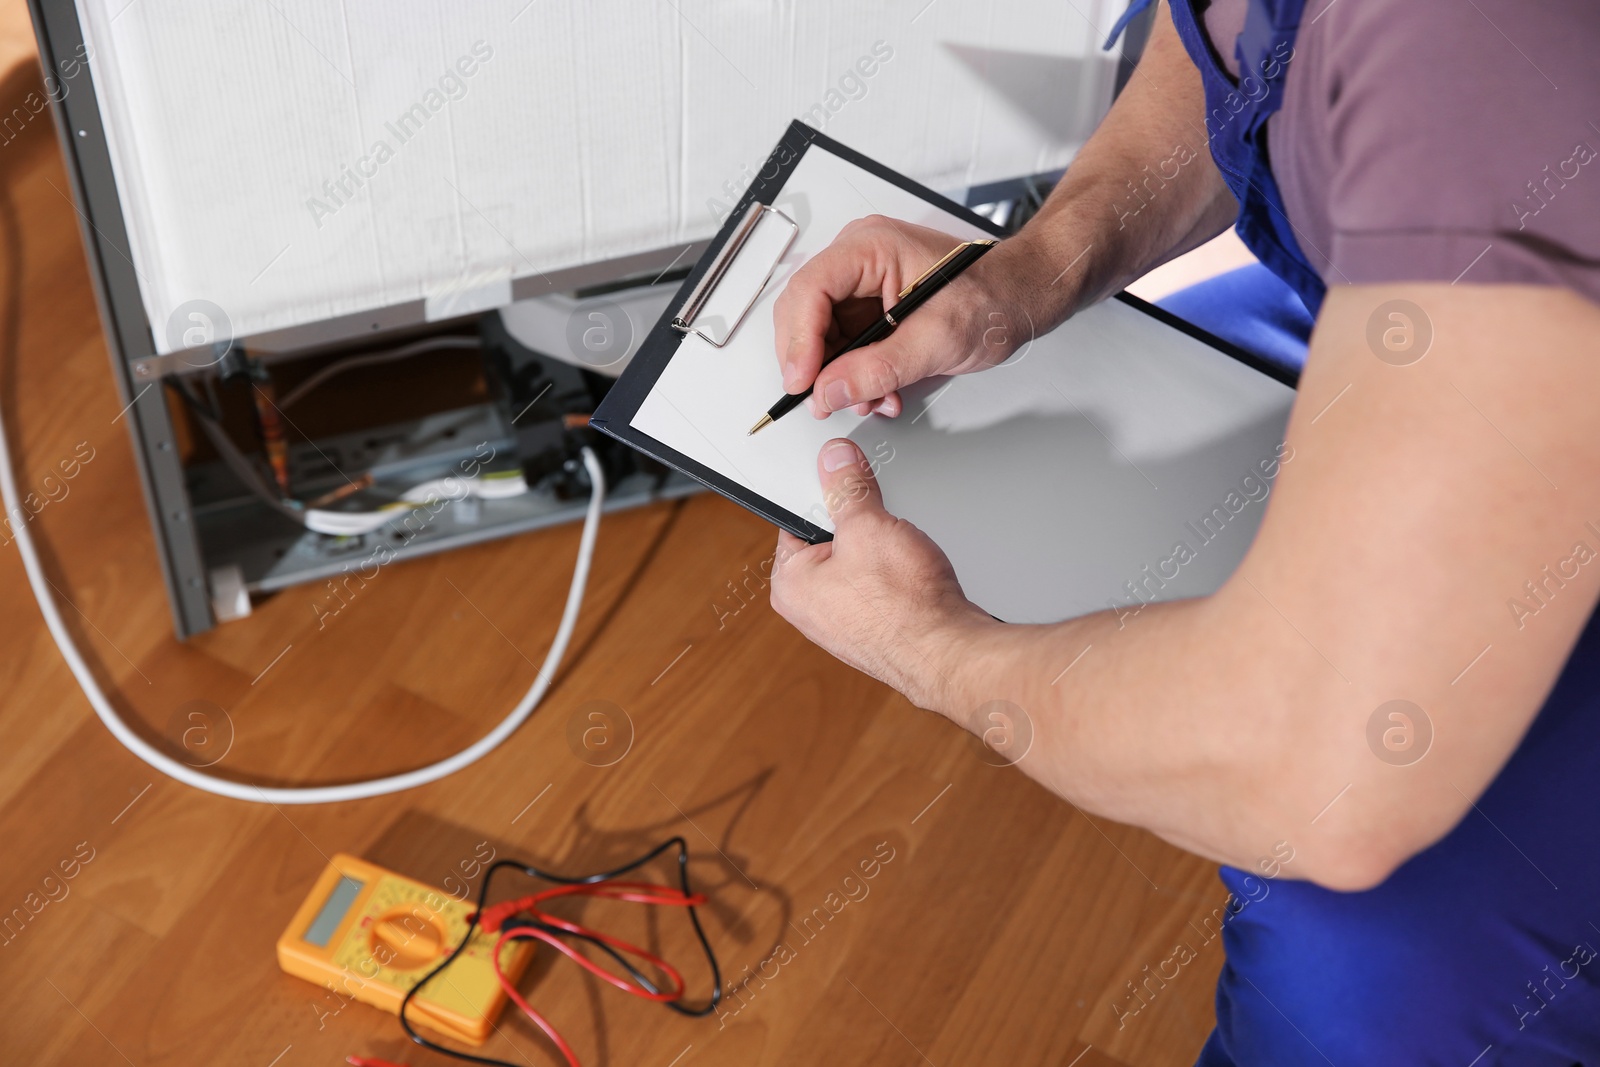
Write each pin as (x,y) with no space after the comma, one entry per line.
(368,933)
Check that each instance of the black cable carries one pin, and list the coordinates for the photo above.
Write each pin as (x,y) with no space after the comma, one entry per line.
(558,879)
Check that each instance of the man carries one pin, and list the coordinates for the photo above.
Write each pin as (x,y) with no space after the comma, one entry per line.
(1399,686)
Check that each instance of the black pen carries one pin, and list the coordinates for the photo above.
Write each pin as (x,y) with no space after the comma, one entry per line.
(912,297)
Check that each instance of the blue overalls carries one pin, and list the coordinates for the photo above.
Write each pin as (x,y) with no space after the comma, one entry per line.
(1483,950)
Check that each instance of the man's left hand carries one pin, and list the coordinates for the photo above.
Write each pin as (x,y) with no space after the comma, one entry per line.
(880,596)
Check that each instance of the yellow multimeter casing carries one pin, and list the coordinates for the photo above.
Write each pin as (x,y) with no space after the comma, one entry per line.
(368,933)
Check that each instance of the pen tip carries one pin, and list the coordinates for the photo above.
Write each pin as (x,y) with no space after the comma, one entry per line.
(765,420)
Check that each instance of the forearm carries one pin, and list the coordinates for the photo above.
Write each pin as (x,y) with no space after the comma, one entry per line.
(1143,190)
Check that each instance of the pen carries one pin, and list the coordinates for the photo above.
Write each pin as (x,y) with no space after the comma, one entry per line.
(912,297)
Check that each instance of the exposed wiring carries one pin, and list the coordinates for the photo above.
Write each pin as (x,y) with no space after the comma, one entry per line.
(497,485)
(235,460)
(491,485)
(339,492)
(188,775)
(523,918)
(415,348)
(269,422)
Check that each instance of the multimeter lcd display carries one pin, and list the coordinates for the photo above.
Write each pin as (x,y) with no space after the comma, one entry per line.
(327,920)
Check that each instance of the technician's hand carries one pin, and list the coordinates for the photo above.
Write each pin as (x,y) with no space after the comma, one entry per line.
(965,327)
(880,596)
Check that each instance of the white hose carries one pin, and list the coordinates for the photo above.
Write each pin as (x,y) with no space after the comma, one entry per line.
(326,794)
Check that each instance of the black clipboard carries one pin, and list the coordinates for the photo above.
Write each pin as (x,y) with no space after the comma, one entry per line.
(615,414)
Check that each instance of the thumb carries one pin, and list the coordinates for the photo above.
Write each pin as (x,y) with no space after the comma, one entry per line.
(849,489)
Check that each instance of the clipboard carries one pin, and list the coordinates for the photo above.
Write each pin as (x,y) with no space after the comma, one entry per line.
(714,322)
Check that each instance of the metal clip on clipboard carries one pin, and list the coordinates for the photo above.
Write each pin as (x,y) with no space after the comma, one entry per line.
(684,320)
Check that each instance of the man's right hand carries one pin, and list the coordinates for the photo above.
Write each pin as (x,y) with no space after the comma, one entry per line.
(967,326)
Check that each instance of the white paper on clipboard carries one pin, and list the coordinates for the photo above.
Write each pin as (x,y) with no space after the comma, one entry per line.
(1114,460)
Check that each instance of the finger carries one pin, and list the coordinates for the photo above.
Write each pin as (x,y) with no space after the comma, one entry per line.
(890,406)
(789,546)
(869,374)
(849,489)
(803,313)
(797,552)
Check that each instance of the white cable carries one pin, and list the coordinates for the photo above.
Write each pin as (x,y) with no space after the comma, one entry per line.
(306,794)
(352,523)
(496,486)
(356,523)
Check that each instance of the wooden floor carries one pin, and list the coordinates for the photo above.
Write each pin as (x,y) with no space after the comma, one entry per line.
(1006,928)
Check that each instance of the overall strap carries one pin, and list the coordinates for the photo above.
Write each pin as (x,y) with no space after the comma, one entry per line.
(1236,126)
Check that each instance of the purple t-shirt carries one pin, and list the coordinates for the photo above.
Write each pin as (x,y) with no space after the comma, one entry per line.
(1436,140)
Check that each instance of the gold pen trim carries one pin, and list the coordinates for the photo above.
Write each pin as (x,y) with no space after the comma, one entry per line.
(925,275)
